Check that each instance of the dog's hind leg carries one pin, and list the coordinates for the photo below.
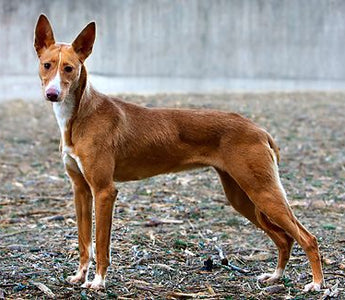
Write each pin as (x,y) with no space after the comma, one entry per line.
(256,173)
(283,242)
(241,202)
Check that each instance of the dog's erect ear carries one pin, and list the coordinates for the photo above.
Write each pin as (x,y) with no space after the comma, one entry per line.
(44,36)
(83,44)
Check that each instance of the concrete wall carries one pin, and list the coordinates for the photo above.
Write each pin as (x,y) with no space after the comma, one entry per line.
(250,39)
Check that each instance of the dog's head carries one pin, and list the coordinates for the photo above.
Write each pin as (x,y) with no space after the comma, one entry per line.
(61,63)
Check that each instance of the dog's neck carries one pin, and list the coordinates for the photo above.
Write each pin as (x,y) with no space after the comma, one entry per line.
(67,110)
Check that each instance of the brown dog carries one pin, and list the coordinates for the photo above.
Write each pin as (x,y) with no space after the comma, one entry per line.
(105,139)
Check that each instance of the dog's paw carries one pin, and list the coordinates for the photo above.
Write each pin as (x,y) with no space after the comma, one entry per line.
(80,277)
(312,287)
(270,277)
(97,284)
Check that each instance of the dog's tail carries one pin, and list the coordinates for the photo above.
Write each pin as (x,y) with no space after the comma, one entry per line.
(273,146)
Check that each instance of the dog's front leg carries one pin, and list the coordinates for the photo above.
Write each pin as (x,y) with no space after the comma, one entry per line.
(83,206)
(104,203)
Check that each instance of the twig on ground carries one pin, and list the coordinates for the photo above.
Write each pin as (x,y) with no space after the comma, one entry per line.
(43,288)
(155,222)
(36,212)
(12,233)
(163,266)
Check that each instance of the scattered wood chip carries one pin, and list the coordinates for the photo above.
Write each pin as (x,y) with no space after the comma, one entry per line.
(36,212)
(258,257)
(273,289)
(211,290)
(12,234)
(220,252)
(332,292)
(223,258)
(2,294)
(16,247)
(328,261)
(188,252)
(145,288)
(44,289)
(70,221)
(53,218)
(163,266)
(24,167)
(153,222)
(179,295)
(230,266)
(12,220)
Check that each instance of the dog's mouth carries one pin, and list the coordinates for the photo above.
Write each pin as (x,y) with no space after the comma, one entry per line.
(53,100)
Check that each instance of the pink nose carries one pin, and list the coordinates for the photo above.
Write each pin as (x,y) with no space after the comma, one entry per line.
(52,94)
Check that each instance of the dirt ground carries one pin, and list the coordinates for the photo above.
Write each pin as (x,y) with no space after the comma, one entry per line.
(168,230)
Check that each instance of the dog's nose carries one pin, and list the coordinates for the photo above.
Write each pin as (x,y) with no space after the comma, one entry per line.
(52,94)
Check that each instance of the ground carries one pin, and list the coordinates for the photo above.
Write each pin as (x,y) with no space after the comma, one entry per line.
(168,230)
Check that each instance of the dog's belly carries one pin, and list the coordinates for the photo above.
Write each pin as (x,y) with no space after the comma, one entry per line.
(156,160)
(140,170)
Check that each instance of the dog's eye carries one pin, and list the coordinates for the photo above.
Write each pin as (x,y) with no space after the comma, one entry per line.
(47,66)
(68,69)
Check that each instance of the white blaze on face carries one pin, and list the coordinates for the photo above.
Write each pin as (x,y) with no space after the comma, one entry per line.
(54,85)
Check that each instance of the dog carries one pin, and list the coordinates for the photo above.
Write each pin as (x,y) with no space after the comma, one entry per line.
(104,139)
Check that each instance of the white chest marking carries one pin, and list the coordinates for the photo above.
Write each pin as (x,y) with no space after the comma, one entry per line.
(63,113)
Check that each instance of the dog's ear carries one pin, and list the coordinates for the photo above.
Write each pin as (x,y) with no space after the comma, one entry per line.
(44,36)
(83,44)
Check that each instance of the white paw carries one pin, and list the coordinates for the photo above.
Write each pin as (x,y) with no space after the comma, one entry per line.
(96,284)
(81,276)
(270,277)
(312,287)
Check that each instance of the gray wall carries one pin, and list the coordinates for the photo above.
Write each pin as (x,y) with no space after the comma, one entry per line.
(264,39)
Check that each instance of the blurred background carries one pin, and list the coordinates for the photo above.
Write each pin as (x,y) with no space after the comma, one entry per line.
(184,45)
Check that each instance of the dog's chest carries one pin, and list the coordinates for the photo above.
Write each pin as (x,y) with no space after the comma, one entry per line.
(63,113)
